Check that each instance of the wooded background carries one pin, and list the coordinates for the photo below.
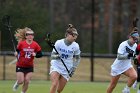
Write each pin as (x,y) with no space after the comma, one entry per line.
(111,24)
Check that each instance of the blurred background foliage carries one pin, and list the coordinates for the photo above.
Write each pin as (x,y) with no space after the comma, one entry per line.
(112,21)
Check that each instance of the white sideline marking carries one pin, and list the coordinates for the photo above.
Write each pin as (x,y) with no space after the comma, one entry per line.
(12,62)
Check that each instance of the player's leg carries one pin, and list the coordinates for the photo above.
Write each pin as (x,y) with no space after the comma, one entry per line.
(138,91)
(27,79)
(138,78)
(62,83)
(135,85)
(132,76)
(113,83)
(20,80)
(54,76)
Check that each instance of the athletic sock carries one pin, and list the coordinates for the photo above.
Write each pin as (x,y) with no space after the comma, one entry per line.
(127,87)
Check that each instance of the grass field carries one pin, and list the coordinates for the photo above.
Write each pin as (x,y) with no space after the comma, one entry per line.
(71,87)
(79,83)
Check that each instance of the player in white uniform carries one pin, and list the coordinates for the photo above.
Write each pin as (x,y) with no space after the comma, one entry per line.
(122,64)
(69,52)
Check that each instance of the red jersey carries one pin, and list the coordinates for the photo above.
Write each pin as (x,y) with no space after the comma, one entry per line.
(25,58)
(138,49)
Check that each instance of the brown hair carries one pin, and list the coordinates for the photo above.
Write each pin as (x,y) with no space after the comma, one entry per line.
(71,30)
(134,30)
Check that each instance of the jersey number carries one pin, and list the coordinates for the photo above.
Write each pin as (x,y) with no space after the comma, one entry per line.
(64,56)
(28,54)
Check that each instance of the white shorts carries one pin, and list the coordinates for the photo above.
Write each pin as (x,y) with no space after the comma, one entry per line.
(61,71)
(115,72)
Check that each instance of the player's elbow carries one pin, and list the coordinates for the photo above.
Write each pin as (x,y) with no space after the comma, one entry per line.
(39,54)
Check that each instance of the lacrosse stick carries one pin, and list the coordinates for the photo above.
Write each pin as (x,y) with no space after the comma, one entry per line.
(135,21)
(7,24)
(51,44)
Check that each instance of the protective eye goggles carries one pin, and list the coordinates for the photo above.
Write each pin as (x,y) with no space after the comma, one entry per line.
(136,39)
(73,34)
(28,34)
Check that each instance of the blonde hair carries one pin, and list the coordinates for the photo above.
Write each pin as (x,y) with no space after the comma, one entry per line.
(20,33)
(71,30)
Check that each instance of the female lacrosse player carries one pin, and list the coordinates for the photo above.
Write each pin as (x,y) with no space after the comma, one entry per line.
(27,49)
(68,50)
(137,63)
(122,64)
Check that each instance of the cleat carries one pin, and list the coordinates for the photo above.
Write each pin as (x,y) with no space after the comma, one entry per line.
(134,85)
(126,90)
(15,87)
(138,91)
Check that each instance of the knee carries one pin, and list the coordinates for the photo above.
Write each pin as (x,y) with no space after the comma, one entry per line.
(20,81)
(27,81)
(134,77)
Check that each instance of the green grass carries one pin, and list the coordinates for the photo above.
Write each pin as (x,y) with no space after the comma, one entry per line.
(71,87)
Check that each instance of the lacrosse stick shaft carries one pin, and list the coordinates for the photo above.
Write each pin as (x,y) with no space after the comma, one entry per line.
(9,29)
(61,60)
(12,38)
(6,22)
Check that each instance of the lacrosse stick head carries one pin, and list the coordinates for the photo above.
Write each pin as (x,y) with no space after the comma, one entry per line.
(134,27)
(135,21)
(6,21)
(47,37)
(134,33)
(48,40)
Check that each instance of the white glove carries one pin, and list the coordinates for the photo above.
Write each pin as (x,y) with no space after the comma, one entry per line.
(55,56)
(16,53)
(34,54)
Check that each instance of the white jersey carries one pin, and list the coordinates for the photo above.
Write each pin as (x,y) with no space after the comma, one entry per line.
(120,66)
(66,53)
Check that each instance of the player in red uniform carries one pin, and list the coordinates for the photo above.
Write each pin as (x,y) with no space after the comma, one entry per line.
(137,63)
(27,49)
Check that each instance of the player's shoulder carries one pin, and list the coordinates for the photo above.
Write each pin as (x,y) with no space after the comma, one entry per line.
(22,42)
(138,47)
(60,41)
(124,43)
(35,43)
(75,44)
